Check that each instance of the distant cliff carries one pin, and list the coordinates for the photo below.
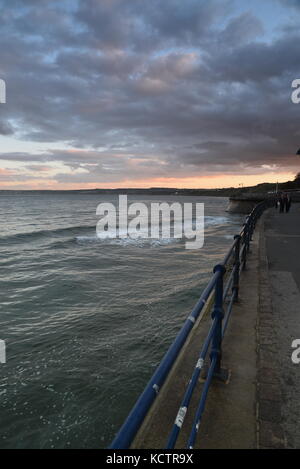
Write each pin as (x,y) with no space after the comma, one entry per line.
(264,188)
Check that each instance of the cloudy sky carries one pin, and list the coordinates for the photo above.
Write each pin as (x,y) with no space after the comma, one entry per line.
(142,93)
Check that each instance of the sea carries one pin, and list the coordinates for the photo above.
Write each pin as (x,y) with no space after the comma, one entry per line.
(85,320)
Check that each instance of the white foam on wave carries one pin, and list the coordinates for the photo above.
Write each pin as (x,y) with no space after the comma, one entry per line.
(229,237)
(216,221)
(126,241)
(143,239)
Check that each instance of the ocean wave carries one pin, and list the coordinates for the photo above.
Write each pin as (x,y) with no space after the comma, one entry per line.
(33,235)
(72,231)
(126,241)
(210,220)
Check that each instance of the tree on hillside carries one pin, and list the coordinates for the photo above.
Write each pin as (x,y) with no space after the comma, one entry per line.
(297,177)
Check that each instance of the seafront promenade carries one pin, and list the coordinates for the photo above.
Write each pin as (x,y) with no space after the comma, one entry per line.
(260,405)
(282,246)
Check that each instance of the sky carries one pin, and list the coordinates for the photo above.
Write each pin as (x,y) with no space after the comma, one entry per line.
(148,93)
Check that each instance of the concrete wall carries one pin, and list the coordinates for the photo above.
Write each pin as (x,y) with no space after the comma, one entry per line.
(241,206)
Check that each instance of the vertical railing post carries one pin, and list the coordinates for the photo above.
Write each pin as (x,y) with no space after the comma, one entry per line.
(248,234)
(244,242)
(251,226)
(218,315)
(255,219)
(236,275)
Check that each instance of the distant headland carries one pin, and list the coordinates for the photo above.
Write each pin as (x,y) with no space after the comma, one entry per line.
(263,188)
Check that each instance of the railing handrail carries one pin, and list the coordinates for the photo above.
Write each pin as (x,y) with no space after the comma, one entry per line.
(136,417)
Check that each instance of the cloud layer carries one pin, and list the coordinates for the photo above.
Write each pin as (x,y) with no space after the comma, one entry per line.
(133,90)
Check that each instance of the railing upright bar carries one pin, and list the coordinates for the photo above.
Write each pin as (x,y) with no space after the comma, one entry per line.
(229,254)
(228,285)
(236,275)
(218,314)
(244,247)
(228,314)
(248,235)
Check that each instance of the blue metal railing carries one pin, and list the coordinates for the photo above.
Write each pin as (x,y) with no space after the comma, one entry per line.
(224,297)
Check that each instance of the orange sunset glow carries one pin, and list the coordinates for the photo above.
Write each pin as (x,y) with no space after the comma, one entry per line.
(211,182)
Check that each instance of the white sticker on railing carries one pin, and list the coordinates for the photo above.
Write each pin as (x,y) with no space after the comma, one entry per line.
(200,363)
(180,416)
(156,388)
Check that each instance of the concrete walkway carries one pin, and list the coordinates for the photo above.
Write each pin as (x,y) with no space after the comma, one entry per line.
(282,232)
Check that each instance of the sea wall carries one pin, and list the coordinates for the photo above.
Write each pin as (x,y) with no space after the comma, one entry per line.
(245,203)
(241,206)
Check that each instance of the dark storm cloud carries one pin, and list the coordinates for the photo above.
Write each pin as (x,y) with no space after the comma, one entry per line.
(291,3)
(168,87)
(258,61)
(6,128)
